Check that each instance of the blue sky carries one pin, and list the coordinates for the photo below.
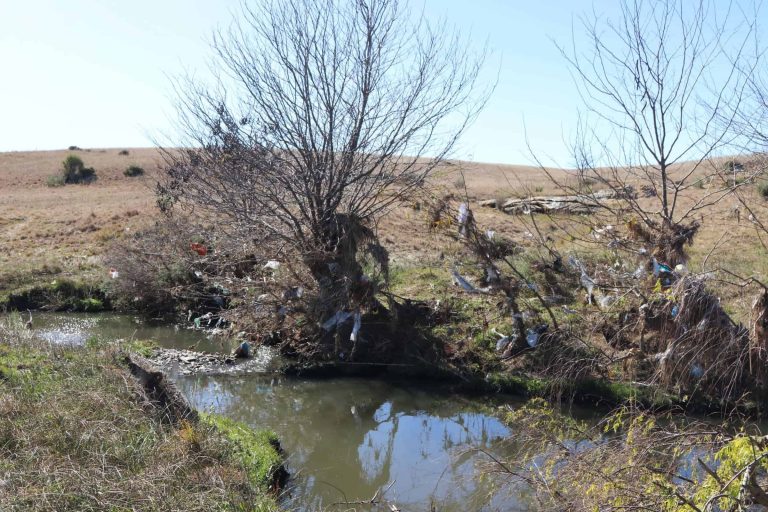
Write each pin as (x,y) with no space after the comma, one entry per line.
(96,73)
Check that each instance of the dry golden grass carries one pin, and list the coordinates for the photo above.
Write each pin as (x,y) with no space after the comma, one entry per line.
(65,226)
(66,229)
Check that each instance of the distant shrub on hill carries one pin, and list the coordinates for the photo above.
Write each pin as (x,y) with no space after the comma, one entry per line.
(123,152)
(73,171)
(133,171)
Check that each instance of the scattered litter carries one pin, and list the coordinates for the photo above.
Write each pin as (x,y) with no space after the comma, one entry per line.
(662,357)
(489,234)
(466,285)
(660,268)
(338,319)
(198,274)
(675,310)
(681,269)
(272,265)
(607,301)
(502,344)
(356,326)
(491,275)
(294,292)
(588,285)
(243,350)
(503,341)
(532,335)
(200,249)
(638,273)
(462,218)
(113,273)
(697,371)
(198,321)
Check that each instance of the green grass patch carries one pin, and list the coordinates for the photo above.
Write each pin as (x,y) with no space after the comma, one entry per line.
(258,451)
(61,294)
(594,391)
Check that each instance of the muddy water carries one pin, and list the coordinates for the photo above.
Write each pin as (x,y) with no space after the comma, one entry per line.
(348,438)
(345,439)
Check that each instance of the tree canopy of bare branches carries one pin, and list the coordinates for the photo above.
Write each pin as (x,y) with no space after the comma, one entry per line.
(325,113)
(662,86)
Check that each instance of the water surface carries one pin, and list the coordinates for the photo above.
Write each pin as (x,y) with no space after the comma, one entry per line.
(417,445)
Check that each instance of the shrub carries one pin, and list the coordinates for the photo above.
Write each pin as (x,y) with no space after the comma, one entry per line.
(75,171)
(57,180)
(733,166)
(73,148)
(762,189)
(123,152)
(133,171)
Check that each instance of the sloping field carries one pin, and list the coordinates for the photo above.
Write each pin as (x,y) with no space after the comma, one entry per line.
(62,230)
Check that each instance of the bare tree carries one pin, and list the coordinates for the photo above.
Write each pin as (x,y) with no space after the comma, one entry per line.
(662,87)
(326,114)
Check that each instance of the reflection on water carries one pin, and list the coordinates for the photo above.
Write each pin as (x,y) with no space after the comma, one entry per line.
(345,439)
(76,328)
(348,438)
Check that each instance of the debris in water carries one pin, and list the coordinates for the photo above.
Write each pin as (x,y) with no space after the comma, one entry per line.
(243,350)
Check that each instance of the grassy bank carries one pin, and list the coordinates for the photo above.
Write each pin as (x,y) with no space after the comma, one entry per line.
(59,294)
(78,433)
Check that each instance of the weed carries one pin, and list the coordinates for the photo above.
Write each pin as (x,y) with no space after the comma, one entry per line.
(56,180)
(133,171)
(762,189)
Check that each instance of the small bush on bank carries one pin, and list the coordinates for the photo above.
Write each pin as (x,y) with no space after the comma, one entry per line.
(762,189)
(133,171)
(75,171)
(123,152)
(57,180)
(73,148)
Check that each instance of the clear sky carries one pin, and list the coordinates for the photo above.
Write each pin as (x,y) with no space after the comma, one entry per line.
(95,73)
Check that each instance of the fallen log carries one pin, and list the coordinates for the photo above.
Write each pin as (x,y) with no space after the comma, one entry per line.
(574,205)
(160,391)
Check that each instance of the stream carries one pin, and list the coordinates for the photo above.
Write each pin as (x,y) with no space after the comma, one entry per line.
(420,446)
